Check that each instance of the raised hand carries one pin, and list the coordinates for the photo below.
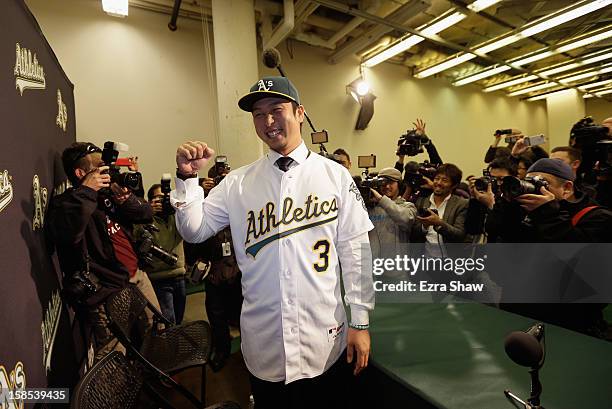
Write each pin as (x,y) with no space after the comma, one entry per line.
(97,178)
(192,156)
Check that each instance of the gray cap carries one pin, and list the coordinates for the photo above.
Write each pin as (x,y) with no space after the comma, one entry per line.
(390,173)
(555,167)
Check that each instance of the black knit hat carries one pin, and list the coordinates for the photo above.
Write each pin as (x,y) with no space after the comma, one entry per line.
(269,87)
(555,167)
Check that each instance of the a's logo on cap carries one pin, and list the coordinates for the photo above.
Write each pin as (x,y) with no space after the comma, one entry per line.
(265,86)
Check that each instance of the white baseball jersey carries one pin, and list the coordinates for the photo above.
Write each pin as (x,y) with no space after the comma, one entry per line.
(289,231)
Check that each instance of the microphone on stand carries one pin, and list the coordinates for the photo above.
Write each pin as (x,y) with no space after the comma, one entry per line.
(272,59)
(528,349)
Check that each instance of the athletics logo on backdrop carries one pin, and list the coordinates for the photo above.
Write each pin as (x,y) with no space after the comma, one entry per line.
(49,327)
(28,73)
(40,203)
(267,220)
(15,380)
(62,113)
(6,190)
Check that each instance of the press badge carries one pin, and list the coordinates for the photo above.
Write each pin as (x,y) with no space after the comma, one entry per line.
(334,332)
(226,248)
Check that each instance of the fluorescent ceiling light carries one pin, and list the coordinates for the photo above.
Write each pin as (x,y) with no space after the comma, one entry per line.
(609,91)
(443,24)
(595,84)
(584,60)
(480,5)
(117,8)
(499,44)
(481,75)
(545,23)
(544,96)
(585,96)
(534,58)
(533,88)
(510,83)
(445,65)
(412,40)
(433,29)
(565,17)
(587,74)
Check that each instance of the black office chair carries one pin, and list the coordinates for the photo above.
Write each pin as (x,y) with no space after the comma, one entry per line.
(162,352)
(114,383)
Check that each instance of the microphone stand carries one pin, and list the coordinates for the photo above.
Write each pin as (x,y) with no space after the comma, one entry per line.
(536,390)
(282,73)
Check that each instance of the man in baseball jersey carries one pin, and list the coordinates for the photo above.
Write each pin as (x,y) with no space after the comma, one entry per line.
(295,217)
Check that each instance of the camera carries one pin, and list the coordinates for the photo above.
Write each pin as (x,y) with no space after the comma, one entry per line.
(603,155)
(167,208)
(368,182)
(482,184)
(148,249)
(221,168)
(411,143)
(414,173)
(512,187)
(500,132)
(535,140)
(110,154)
(364,186)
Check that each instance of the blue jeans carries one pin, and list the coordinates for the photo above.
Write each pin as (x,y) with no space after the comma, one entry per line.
(171,295)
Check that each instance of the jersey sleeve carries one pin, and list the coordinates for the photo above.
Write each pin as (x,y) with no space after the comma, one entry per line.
(353,217)
(198,218)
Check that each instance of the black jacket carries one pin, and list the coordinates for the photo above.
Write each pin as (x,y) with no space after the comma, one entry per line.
(76,220)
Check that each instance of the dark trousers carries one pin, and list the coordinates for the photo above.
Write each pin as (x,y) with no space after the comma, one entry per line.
(223,303)
(172,298)
(328,390)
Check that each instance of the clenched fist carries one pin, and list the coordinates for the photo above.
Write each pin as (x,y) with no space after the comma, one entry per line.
(192,156)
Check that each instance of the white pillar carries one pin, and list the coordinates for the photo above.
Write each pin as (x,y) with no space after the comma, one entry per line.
(564,110)
(236,66)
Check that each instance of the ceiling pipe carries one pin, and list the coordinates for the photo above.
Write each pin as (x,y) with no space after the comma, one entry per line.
(285,27)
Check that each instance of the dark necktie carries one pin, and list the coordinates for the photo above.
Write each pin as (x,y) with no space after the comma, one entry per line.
(284,162)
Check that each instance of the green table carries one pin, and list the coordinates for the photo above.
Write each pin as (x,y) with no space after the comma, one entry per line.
(452,356)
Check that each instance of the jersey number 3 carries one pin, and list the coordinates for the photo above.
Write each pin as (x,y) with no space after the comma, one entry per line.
(322,246)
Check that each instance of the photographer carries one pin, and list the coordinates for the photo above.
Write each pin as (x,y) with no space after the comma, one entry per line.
(557,214)
(223,291)
(168,280)
(91,226)
(442,214)
(343,158)
(495,151)
(484,192)
(391,215)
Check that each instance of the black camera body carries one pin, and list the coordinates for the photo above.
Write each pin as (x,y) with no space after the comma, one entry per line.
(364,186)
(411,143)
(482,184)
(415,172)
(603,155)
(110,153)
(512,187)
(148,250)
(221,168)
